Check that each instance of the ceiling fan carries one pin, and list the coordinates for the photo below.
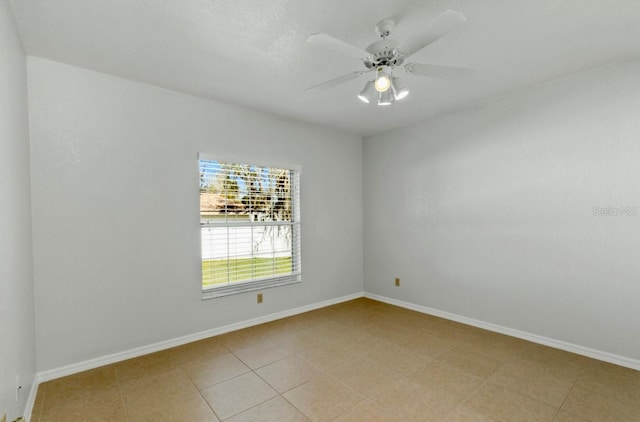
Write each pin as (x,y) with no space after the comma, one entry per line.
(388,55)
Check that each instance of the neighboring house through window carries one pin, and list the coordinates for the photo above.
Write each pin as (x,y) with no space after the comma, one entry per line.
(249,226)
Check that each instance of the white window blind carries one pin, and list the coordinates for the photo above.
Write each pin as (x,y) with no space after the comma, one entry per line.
(249,226)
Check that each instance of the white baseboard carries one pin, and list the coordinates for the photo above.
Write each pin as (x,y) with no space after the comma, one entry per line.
(534,338)
(155,347)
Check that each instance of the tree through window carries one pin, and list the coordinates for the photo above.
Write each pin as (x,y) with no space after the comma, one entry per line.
(249,226)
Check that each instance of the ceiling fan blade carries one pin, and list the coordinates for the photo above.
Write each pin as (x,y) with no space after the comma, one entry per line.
(453,73)
(337,81)
(439,26)
(339,46)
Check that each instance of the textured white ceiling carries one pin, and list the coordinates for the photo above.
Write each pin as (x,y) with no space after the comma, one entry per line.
(253,53)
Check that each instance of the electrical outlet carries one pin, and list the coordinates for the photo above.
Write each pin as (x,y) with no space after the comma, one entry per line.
(259,297)
(397,281)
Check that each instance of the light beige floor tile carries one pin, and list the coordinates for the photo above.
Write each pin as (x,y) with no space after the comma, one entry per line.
(549,355)
(407,319)
(95,408)
(438,376)
(386,331)
(504,405)
(161,385)
(144,366)
(236,395)
(241,339)
(298,341)
(261,354)
(599,408)
(258,332)
(326,313)
(340,333)
(428,344)
(619,383)
(563,416)
(328,356)
(80,386)
(450,329)
(357,320)
(562,365)
(533,381)
(323,399)
(400,359)
(329,330)
(365,376)
(413,402)
(273,329)
(205,373)
(275,410)
(463,414)
(497,346)
(362,343)
(199,350)
(369,412)
(310,318)
(188,407)
(165,397)
(287,373)
(467,360)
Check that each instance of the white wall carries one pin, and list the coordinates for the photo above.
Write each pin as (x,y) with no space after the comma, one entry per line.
(487,213)
(17,332)
(114,162)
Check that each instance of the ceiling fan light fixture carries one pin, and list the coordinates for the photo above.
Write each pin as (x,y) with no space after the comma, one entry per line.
(369,93)
(383,81)
(385,98)
(388,55)
(399,89)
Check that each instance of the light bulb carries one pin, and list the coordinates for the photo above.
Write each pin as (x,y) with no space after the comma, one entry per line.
(383,82)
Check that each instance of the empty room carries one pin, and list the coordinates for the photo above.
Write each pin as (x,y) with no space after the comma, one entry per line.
(272,211)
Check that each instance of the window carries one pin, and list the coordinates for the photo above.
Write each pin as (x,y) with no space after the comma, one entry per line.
(249,226)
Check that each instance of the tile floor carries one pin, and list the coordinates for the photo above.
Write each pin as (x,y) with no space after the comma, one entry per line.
(357,361)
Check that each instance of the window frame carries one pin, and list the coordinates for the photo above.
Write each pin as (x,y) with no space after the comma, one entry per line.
(270,281)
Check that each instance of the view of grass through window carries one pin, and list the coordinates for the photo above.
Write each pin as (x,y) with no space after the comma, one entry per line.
(222,271)
(247,223)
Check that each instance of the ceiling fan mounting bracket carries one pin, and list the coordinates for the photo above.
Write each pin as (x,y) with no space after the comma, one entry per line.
(384,27)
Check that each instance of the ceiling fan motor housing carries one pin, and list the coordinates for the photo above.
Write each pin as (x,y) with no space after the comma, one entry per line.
(383,53)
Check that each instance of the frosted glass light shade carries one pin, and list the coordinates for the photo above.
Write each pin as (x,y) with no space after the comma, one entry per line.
(369,93)
(386,98)
(399,89)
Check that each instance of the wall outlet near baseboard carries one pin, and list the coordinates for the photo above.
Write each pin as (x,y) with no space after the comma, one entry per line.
(397,281)
(259,297)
